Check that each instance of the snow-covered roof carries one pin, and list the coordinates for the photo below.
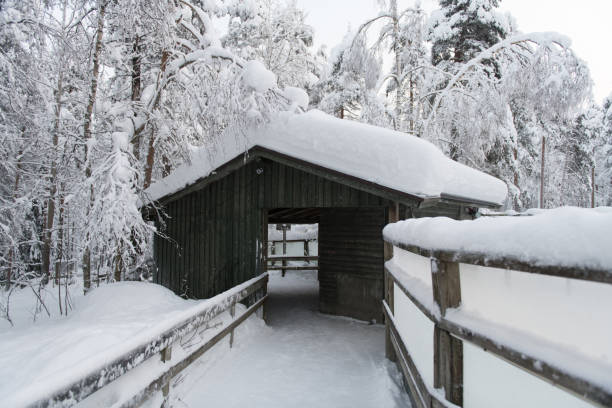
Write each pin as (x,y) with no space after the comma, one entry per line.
(566,237)
(385,157)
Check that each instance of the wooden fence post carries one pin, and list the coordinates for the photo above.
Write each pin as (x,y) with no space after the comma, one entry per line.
(448,350)
(392,216)
(284,248)
(232,313)
(166,355)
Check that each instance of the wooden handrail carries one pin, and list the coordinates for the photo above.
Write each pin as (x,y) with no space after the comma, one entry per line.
(280,241)
(103,375)
(165,378)
(293,268)
(291,258)
(483,259)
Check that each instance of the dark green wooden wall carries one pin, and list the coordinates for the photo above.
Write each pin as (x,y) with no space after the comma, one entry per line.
(212,237)
(215,235)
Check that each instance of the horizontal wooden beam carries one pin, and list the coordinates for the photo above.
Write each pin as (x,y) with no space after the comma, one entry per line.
(482,259)
(280,241)
(292,258)
(293,268)
(424,309)
(420,392)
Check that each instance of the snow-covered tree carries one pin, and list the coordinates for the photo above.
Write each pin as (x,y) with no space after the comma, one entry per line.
(275,33)
(350,89)
(97,100)
(462,29)
(401,36)
(603,157)
(472,118)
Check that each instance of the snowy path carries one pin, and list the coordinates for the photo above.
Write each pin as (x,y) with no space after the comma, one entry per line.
(302,359)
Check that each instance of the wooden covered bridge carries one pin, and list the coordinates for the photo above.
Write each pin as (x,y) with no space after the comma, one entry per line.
(467,327)
(351,179)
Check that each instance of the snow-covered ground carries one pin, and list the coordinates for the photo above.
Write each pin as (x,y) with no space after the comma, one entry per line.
(37,358)
(301,359)
(25,310)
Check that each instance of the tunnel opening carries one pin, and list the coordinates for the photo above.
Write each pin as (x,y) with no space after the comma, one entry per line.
(349,255)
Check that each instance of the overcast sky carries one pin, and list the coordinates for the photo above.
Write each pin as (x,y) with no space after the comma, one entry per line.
(587,22)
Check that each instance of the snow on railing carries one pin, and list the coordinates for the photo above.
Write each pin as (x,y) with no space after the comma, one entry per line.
(158,350)
(455,320)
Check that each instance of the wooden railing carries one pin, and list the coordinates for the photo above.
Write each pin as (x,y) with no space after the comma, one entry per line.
(253,292)
(273,258)
(284,266)
(449,336)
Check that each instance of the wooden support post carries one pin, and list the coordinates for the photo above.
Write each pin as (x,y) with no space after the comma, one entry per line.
(284,247)
(448,350)
(166,355)
(392,216)
(232,313)
(264,311)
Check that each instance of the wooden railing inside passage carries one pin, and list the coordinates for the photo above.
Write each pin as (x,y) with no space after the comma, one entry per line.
(272,262)
(253,291)
(284,266)
(449,336)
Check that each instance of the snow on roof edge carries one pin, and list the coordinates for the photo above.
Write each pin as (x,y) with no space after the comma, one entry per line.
(381,156)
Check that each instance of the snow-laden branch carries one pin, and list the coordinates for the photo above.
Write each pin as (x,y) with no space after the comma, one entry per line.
(544,39)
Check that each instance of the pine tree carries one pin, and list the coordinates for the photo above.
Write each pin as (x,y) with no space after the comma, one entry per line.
(462,29)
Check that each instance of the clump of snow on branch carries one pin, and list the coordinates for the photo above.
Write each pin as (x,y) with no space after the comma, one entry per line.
(258,77)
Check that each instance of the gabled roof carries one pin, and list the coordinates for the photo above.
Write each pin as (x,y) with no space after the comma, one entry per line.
(379,160)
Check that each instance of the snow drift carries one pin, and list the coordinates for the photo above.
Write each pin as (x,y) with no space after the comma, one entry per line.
(107,323)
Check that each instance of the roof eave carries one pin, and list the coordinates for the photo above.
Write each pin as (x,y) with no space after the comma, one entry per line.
(325,172)
(445,198)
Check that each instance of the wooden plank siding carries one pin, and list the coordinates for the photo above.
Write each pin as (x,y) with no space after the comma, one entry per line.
(351,262)
(216,234)
(216,230)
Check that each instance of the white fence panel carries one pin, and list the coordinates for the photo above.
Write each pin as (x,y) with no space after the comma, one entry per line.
(417,333)
(489,381)
(567,312)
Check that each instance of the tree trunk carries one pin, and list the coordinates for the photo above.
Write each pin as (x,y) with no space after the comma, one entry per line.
(151,152)
(11,254)
(47,234)
(412,107)
(136,90)
(516,176)
(593,187)
(59,254)
(87,134)
(118,266)
(543,160)
(398,70)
